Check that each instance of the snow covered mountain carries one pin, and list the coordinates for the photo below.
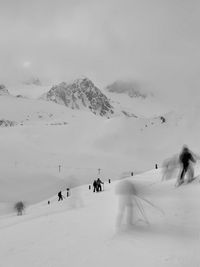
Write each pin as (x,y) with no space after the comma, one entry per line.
(83,95)
(80,94)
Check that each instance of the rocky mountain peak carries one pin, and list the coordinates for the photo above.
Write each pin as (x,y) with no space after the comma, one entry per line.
(80,94)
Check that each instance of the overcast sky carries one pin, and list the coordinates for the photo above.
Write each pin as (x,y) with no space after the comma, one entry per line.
(152,41)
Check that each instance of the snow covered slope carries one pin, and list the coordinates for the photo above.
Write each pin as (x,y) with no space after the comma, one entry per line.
(140,107)
(29,90)
(47,135)
(81,231)
(30,111)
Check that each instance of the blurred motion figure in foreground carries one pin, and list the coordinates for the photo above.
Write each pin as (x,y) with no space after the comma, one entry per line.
(186,159)
(184,162)
(170,167)
(126,191)
(130,198)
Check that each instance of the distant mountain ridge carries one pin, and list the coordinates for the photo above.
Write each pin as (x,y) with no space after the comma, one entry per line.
(80,94)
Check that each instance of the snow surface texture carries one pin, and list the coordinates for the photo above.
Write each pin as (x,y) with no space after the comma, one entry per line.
(80,231)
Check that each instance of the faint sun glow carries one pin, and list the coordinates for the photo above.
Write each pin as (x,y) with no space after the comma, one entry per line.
(26,64)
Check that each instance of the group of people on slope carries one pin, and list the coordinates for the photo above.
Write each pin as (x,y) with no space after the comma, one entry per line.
(97,185)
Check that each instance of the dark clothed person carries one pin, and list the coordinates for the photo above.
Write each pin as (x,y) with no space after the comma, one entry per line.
(60,196)
(99,183)
(186,159)
(95,186)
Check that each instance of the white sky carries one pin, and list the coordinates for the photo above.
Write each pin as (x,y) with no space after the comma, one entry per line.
(151,41)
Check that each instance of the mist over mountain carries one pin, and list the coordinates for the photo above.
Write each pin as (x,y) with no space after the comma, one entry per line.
(33,81)
(132,89)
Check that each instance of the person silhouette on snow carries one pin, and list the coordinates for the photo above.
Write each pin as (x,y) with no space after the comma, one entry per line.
(186,158)
(60,196)
(95,186)
(99,183)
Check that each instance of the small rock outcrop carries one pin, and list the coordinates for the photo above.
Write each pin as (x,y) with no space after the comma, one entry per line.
(3,90)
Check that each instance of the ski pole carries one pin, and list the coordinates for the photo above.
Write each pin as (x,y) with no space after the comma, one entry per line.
(142,212)
(151,204)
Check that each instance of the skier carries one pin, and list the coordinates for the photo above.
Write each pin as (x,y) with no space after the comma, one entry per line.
(95,186)
(99,183)
(126,191)
(169,167)
(186,159)
(60,196)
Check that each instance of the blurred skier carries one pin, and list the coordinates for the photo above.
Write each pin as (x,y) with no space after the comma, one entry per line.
(99,183)
(60,196)
(126,191)
(186,159)
(169,167)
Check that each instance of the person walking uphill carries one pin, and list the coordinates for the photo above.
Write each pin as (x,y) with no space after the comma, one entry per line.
(99,183)
(186,159)
(60,196)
